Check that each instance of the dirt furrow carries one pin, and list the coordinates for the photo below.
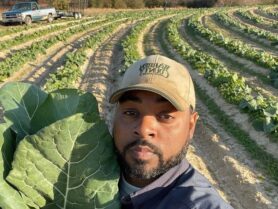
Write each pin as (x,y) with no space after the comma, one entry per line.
(38,70)
(142,35)
(228,31)
(247,63)
(8,52)
(220,158)
(255,76)
(35,29)
(258,12)
(101,72)
(238,117)
(263,26)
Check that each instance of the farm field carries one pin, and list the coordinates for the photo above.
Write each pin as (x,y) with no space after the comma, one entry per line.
(232,56)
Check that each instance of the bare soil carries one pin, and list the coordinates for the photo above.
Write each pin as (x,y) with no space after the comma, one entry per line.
(101,72)
(142,38)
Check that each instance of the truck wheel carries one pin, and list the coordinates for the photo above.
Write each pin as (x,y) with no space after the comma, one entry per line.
(50,18)
(28,20)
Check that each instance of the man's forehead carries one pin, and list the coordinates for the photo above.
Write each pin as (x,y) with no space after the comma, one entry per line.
(139,95)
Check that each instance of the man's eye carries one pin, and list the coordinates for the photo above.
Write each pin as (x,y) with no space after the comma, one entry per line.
(166,117)
(130,113)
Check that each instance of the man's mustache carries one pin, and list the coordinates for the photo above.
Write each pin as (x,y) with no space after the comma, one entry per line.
(142,142)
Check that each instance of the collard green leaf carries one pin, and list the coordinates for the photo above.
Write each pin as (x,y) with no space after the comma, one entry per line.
(69,164)
(21,101)
(29,109)
(271,111)
(7,145)
(9,197)
(258,124)
(61,104)
(269,126)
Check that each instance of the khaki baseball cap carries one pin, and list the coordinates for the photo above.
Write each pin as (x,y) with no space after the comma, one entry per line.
(160,75)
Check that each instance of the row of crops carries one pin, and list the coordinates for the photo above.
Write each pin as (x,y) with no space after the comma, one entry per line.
(257,105)
(233,87)
(262,109)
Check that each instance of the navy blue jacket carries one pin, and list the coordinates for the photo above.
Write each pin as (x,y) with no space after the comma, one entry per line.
(182,187)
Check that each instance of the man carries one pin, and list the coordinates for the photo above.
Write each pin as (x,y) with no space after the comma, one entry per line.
(154,122)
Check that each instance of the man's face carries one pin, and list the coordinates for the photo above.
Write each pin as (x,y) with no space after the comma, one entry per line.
(150,135)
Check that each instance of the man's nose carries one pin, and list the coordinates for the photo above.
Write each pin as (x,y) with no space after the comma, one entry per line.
(146,127)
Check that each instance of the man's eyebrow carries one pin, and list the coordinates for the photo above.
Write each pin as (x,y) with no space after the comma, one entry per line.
(129,97)
(161,100)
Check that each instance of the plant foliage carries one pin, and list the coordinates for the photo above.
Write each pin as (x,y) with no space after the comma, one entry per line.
(56,152)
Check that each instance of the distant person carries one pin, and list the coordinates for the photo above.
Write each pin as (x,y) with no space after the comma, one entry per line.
(154,122)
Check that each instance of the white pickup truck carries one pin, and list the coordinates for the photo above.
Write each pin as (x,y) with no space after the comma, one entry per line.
(27,12)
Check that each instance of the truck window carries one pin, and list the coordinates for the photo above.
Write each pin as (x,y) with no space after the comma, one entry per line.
(34,6)
(22,6)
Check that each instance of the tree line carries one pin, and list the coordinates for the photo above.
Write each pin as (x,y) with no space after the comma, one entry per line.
(171,3)
(63,4)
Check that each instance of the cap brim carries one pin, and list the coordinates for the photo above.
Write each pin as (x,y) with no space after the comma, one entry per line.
(172,98)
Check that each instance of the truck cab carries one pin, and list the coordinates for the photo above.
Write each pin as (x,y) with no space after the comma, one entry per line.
(27,12)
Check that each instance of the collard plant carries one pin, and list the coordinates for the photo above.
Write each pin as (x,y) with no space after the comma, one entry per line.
(56,152)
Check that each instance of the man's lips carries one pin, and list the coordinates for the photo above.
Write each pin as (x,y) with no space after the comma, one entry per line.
(141,152)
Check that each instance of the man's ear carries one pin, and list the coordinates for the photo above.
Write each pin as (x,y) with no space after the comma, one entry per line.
(192,123)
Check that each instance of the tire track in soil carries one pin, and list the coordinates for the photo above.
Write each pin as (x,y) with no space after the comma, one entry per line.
(101,73)
(229,168)
(245,68)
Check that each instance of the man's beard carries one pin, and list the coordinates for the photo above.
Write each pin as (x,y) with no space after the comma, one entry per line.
(137,169)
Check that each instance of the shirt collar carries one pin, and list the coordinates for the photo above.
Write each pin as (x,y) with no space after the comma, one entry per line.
(156,186)
(127,188)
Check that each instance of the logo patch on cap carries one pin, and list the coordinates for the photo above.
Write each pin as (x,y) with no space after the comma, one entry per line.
(155,69)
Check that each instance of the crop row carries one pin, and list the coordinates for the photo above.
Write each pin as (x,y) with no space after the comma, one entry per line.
(263,111)
(19,58)
(248,15)
(237,47)
(70,72)
(130,42)
(39,33)
(268,11)
(17,29)
(67,75)
(129,45)
(229,21)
